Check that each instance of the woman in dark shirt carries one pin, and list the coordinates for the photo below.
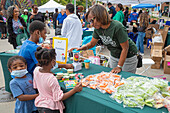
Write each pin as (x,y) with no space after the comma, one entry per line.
(3,26)
(15,25)
(35,15)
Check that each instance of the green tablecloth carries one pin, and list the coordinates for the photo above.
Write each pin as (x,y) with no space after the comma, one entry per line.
(87,33)
(167,42)
(89,100)
(4,59)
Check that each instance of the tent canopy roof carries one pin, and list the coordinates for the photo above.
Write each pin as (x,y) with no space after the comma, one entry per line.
(144,6)
(50,6)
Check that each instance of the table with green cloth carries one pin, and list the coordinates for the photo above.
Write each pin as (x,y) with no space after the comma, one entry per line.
(89,100)
(87,33)
(167,42)
(4,59)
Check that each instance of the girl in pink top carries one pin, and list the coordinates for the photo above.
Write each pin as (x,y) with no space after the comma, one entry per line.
(50,94)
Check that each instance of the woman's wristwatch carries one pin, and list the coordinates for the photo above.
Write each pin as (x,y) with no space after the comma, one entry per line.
(119,66)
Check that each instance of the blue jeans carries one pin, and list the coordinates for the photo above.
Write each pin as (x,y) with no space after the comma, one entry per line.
(139,41)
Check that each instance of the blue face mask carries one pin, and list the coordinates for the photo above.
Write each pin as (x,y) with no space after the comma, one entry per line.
(54,67)
(19,73)
(41,40)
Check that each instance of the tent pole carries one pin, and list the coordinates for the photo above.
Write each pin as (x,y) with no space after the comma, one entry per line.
(86,5)
(168,10)
(75,6)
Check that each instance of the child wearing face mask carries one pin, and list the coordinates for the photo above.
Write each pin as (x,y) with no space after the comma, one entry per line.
(28,48)
(22,85)
(50,94)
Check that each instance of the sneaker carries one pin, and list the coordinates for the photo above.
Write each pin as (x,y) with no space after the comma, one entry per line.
(2,38)
(142,54)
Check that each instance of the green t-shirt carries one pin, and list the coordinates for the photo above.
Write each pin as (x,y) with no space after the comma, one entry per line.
(112,37)
(119,16)
(25,17)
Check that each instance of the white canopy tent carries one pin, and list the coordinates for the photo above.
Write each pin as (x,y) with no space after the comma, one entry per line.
(50,6)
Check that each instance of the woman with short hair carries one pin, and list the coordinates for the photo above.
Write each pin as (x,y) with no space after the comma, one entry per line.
(113,35)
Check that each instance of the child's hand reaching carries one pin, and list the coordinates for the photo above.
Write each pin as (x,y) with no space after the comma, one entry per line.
(78,87)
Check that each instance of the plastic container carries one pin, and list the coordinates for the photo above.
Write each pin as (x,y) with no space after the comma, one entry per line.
(72,75)
(76,56)
(65,74)
(70,71)
(59,75)
(87,64)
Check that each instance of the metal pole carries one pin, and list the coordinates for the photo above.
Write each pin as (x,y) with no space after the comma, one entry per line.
(86,5)
(14,2)
(168,10)
(75,6)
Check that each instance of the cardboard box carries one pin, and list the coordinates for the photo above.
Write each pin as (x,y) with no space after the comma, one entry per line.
(149,31)
(167,60)
(149,34)
(156,53)
(156,49)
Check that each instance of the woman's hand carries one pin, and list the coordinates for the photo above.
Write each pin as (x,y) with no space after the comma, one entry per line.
(78,49)
(116,70)
(69,66)
(72,49)
(135,25)
(21,27)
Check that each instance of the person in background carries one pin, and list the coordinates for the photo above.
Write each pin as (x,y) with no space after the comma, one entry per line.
(22,85)
(72,28)
(112,10)
(61,17)
(35,15)
(126,13)
(143,24)
(15,25)
(25,15)
(50,94)
(3,26)
(119,15)
(46,15)
(134,16)
(160,13)
(28,48)
(55,18)
(4,11)
(77,12)
(113,35)
(140,13)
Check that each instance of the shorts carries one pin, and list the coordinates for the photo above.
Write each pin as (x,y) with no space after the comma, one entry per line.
(46,110)
(3,29)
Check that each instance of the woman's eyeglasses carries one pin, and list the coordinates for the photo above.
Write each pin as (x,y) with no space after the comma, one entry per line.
(92,20)
(36,8)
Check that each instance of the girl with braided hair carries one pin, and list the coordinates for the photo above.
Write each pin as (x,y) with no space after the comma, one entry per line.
(50,94)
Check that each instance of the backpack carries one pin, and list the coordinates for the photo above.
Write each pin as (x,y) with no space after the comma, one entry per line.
(124,21)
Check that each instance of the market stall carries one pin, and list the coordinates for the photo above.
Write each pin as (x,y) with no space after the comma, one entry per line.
(50,6)
(89,100)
